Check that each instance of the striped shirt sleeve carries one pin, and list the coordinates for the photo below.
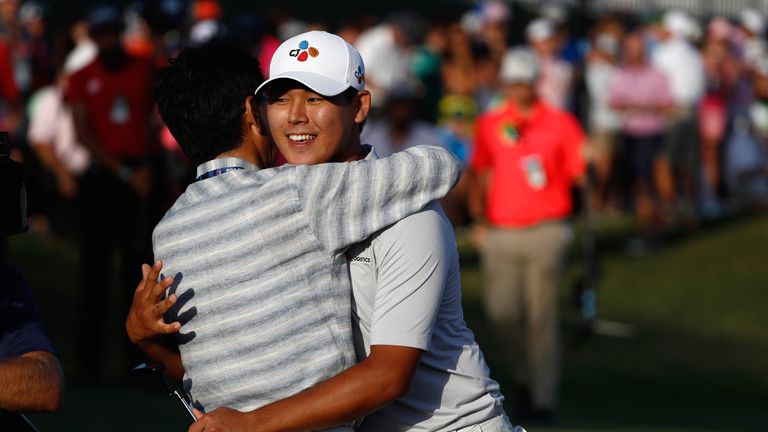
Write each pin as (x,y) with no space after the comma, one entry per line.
(347,202)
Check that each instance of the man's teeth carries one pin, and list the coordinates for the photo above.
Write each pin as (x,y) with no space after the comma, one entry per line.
(304,137)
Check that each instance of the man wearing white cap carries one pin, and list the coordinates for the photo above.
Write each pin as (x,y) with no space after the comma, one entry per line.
(419,366)
(527,157)
(681,62)
(555,76)
(260,294)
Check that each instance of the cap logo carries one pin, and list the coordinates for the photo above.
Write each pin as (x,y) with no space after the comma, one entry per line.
(360,75)
(304,51)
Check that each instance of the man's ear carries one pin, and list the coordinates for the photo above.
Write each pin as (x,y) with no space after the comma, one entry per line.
(363,106)
(255,115)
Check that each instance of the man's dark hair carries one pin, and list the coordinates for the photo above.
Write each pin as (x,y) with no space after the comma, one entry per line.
(201,98)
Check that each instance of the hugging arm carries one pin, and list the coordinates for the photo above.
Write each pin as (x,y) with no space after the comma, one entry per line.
(145,324)
(347,202)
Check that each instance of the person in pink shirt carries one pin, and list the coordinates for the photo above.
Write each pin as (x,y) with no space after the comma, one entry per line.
(642,96)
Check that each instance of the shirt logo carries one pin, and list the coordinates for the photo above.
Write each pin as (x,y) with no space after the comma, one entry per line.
(93,86)
(509,134)
(304,51)
(361,259)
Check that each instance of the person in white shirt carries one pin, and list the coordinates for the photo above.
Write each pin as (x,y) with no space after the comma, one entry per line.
(681,62)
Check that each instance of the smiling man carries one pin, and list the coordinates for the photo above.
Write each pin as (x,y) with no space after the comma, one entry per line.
(419,367)
(261,288)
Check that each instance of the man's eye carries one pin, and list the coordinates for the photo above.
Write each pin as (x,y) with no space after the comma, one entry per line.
(314,99)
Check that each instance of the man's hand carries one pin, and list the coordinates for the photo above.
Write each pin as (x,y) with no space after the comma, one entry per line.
(221,420)
(145,318)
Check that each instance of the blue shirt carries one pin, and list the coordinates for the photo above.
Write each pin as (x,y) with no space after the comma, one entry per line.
(21,330)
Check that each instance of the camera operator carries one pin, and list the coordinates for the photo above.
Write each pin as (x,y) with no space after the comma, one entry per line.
(31,379)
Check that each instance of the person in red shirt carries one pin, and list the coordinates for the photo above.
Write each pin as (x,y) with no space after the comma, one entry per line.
(527,159)
(112,108)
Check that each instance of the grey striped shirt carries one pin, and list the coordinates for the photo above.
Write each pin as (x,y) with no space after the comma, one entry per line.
(261,276)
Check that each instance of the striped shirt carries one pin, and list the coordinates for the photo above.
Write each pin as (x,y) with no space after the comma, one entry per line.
(260,272)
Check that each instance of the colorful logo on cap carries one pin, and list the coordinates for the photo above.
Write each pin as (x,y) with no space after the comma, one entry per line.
(360,75)
(304,51)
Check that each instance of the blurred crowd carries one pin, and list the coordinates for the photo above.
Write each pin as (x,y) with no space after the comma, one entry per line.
(674,106)
(675,150)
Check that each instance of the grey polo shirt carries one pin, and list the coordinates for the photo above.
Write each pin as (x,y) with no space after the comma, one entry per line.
(261,276)
(407,292)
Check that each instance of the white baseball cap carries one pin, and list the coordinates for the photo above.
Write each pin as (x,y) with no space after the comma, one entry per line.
(539,29)
(322,61)
(519,65)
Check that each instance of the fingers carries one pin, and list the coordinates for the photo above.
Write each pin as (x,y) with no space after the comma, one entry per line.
(197,426)
(159,288)
(152,275)
(160,308)
(143,281)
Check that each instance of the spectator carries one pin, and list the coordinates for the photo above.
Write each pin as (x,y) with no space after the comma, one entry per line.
(746,150)
(527,158)
(455,126)
(51,135)
(603,122)
(642,96)
(388,48)
(555,81)
(722,68)
(400,127)
(680,61)
(111,106)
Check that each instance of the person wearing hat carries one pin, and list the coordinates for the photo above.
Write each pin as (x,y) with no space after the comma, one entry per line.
(419,367)
(527,158)
(257,255)
(680,60)
(554,82)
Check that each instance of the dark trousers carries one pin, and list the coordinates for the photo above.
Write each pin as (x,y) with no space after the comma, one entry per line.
(114,223)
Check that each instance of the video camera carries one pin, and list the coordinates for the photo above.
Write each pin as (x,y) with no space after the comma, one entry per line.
(13,195)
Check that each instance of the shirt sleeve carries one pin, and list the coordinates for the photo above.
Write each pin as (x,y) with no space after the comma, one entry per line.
(74,90)
(10,91)
(347,202)
(21,330)
(574,147)
(42,129)
(481,151)
(412,259)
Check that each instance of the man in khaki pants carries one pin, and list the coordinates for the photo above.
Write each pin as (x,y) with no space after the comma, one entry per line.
(528,156)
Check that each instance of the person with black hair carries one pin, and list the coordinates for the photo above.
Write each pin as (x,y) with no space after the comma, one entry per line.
(111,103)
(254,258)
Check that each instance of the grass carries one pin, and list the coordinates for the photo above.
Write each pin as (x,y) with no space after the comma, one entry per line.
(696,361)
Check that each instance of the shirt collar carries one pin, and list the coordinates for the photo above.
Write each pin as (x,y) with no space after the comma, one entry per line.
(226,162)
(372,155)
